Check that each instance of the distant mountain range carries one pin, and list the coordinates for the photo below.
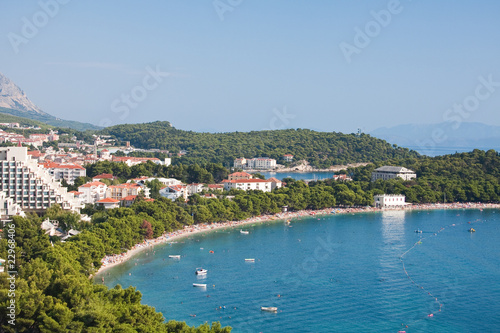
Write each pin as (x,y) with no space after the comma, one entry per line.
(14,101)
(431,139)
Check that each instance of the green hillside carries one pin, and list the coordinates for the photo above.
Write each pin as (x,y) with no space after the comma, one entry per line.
(50,120)
(321,149)
(7,118)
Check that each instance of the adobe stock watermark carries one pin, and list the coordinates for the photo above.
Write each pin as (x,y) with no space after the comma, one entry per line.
(32,26)
(364,36)
(280,120)
(459,112)
(121,106)
(12,272)
(223,6)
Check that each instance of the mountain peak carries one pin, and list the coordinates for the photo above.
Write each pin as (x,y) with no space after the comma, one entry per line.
(13,97)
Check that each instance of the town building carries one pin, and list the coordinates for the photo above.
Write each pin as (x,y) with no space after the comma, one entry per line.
(173,192)
(8,207)
(391,172)
(248,184)
(68,172)
(120,191)
(239,176)
(108,203)
(92,192)
(262,163)
(131,161)
(30,185)
(389,201)
(275,183)
(213,187)
(102,176)
(288,157)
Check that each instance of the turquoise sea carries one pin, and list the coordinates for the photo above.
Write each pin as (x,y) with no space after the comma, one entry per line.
(365,272)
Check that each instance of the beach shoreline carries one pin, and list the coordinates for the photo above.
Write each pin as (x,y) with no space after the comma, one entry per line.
(115,260)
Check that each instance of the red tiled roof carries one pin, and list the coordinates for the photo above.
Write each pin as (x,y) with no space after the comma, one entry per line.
(108,200)
(240,174)
(35,153)
(53,165)
(214,186)
(274,180)
(93,184)
(75,192)
(125,185)
(104,176)
(129,198)
(246,181)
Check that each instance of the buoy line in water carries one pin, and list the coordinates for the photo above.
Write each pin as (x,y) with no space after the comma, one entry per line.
(419,286)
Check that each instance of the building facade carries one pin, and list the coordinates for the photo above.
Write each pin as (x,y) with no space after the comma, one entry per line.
(68,172)
(262,163)
(248,184)
(92,192)
(391,172)
(29,185)
(389,200)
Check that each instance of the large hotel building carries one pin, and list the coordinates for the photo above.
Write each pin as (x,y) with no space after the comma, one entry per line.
(29,185)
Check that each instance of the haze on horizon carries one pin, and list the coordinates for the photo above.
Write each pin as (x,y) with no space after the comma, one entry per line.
(228,65)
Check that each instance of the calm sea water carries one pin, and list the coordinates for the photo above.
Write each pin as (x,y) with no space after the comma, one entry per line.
(299,175)
(338,273)
(443,150)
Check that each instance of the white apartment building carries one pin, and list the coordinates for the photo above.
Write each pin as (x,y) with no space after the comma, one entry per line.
(92,192)
(391,172)
(121,191)
(255,163)
(389,200)
(8,208)
(248,184)
(68,172)
(173,192)
(28,184)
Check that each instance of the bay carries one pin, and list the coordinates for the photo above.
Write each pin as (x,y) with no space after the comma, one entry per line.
(337,273)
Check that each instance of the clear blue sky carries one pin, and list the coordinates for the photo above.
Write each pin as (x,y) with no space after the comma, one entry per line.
(264,58)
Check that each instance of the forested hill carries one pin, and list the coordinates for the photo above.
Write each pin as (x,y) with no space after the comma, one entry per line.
(321,149)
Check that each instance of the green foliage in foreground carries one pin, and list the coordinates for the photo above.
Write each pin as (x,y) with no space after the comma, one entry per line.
(321,149)
(54,294)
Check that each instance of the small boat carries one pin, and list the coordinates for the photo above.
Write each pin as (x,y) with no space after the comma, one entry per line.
(175,256)
(250,260)
(199,285)
(269,309)
(201,271)
(245,232)
(418,231)
(471,230)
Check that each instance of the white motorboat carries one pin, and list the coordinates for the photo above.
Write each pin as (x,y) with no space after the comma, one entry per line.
(199,285)
(201,271)
(245,232)
(250,260)
(175,256)
(269,309)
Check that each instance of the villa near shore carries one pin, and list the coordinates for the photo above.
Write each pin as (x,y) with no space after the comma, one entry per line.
(390,172)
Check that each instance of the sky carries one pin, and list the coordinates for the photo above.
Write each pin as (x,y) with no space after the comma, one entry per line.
(240,65)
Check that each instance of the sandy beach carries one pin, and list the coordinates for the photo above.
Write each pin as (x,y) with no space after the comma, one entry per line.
(114,260)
